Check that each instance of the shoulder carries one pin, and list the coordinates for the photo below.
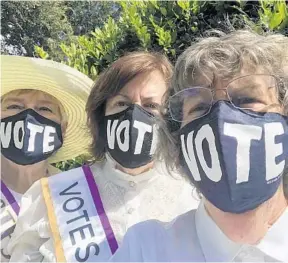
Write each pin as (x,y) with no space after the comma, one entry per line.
(141,243)
(33,201)
(154,240)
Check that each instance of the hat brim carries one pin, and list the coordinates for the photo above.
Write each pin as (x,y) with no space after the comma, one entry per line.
(66,84)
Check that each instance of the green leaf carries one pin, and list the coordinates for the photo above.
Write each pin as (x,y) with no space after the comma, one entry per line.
(93,72)
(275,21)
(184,4)
(163,11)
(40,52)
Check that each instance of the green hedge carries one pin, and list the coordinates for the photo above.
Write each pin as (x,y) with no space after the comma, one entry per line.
(164,26)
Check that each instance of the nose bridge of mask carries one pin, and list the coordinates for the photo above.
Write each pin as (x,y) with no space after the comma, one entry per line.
(34,130)
(145,126)
(141,124)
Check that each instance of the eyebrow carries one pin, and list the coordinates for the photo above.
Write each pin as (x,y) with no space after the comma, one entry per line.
(122,95)
(13,100)
(22,101)
(143,98)
(48,102)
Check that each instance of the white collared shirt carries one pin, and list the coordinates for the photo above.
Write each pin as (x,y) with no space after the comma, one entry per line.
(194,236)
(127,200)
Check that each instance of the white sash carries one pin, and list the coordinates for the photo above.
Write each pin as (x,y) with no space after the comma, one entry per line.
(9,212)
(80,226)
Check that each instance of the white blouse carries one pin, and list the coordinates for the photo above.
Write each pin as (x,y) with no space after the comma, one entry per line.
(9,217)
(127,200)
(194,237)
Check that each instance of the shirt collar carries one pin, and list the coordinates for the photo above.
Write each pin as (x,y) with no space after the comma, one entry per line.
(126,180)
(221,248)
(275,242)
(215,245)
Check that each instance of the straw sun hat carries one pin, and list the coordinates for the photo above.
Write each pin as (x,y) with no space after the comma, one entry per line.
(66,84)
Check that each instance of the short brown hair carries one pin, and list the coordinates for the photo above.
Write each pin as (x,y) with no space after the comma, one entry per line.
(111,81)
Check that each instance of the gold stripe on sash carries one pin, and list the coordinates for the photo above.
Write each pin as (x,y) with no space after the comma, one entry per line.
(59,251)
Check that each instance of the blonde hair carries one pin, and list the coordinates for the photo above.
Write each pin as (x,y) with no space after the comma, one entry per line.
(32,92)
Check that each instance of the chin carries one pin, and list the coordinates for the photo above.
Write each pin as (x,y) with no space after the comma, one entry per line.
(138,170)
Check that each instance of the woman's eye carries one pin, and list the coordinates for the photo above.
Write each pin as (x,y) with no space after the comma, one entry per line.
(200,107)
(45,109)
(122,104)
(152,105)
(245,101)
(14,107)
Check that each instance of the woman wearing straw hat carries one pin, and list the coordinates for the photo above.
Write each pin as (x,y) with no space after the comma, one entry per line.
(42,119)
(89,209)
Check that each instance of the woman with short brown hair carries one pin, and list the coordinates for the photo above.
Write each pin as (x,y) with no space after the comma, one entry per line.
(89,209)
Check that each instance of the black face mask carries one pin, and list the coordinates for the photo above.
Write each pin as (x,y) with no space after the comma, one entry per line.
(28,137)
(130,136)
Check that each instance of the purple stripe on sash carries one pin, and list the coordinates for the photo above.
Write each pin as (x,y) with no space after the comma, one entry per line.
(10,198)
(100,209)
(8,232)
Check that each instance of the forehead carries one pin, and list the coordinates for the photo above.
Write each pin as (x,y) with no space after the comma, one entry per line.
(28,95)
(247,75)
(146,85)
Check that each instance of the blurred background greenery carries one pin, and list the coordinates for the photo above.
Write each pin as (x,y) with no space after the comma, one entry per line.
(89,35)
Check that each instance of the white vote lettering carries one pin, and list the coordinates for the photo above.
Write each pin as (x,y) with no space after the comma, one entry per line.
(142,129)
(243,134)
(6,134)
(214,172)
(111,133)
(34,129)
(114,134)
(48,139)
(190,155)
(273,150)
(18,142)
(124,125)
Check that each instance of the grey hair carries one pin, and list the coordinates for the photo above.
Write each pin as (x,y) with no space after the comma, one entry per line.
(224,55)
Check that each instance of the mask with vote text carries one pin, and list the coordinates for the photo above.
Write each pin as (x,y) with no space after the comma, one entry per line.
(28,137)
(130,136)
(235,157)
